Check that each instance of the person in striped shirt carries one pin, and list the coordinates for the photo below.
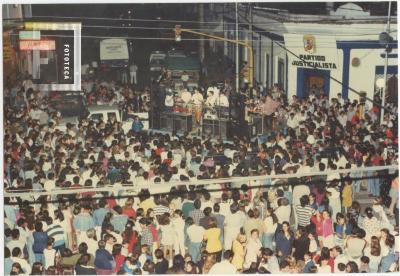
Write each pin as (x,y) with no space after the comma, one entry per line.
(56,232)
(304,212)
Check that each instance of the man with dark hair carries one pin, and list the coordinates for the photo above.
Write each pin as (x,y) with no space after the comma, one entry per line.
(188,204)
(308,262)
(8,262)
(161,266)
(205,221)
(104,262)
(269,261)
(195,234)
(196,214)
(16,241)
(119,220)
(225,266)
(146,237)
(16,258)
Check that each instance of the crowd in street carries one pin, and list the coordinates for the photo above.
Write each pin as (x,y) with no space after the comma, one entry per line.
(297,225)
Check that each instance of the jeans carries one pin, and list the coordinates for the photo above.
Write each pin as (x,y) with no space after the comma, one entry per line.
(386,262)
(39,257)
(267,240)
(194,251)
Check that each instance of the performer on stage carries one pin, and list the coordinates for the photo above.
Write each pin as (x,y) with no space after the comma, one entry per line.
(223,100)
(186,97)
(169,101)
(197,100)
(267,108)
(211,99)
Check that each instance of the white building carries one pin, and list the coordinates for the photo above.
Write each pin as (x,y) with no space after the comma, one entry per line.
(343,45)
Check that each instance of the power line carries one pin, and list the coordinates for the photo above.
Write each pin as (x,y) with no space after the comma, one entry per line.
(264,22)
(193,39)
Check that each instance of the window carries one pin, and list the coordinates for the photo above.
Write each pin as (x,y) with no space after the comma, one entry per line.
(96,117)
(281,72)
(266,70)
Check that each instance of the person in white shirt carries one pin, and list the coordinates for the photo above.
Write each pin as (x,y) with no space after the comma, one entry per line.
(225,266)
(133,73)
(210,102)
(252,249)
(197,100)
(49,254)
(283,211)
(178,224)
(223,100)
(16,258)
(233,222)
(16,241)
(195,234)
(186,97)
(169,101)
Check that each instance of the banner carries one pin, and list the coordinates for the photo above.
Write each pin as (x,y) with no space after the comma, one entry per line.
(312,51)
(56,57)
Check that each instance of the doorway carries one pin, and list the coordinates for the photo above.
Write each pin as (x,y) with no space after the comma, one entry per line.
(312,80)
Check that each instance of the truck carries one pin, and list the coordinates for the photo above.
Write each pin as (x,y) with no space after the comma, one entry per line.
(114,52)
(178,64)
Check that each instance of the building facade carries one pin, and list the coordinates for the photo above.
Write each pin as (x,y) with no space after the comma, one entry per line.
(337,52)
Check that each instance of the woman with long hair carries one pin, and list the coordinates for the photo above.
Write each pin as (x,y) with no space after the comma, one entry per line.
(130,236)
(301,244)
(389,255)
(370,224)
(327,230)
(373,252)
(284,240)
(351,267)
(37,269)
(269,228)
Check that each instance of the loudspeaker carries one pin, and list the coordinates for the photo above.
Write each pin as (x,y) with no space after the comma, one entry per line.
(237,107)
(182,122)
(216,128)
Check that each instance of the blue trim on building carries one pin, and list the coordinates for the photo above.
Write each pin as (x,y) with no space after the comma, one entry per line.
(304,73)
(363,44)
(300,83)
(347,46)
(346,73)
(379,70)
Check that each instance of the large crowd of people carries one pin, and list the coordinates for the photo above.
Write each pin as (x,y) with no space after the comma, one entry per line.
(302,224)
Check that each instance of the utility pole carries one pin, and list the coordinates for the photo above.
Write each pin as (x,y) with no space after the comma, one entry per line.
(237,48)
(251,43)
(201,41)
(178,31)
(386,65)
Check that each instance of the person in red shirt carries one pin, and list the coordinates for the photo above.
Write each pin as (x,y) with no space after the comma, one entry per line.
(130,236)
(118,257)
(154,232)
(128,210)
(317,221)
